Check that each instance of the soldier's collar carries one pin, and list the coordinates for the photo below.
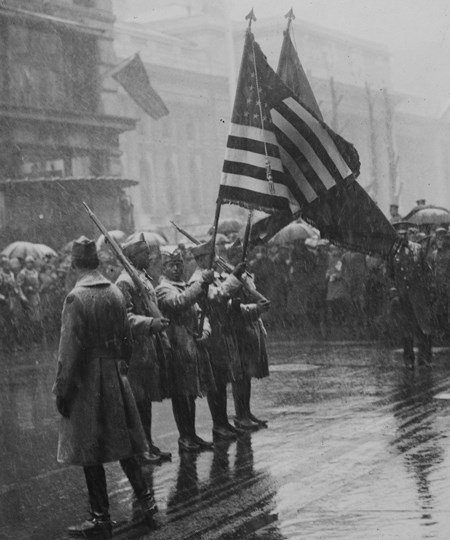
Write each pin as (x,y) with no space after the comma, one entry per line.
(93,278)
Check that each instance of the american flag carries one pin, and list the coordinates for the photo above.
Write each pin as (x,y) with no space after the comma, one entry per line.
(279,156)
(131,74)
(282,157)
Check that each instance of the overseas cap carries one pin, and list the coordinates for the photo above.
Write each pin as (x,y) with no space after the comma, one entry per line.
(441,231)
(170,257)
(134,247)
(30,258)
(84,251)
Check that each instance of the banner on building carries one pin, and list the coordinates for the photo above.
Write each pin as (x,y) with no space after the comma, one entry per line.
(132,75)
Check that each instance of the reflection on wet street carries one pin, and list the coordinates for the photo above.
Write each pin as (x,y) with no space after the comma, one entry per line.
(357,448)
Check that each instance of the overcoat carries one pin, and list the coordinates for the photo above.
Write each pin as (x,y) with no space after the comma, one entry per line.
(251,338)
(223,345)
(94,350)
(412,277)
(190,368)
(148,371)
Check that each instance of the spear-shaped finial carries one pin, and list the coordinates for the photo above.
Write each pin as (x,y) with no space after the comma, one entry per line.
(290,17)
(250,17)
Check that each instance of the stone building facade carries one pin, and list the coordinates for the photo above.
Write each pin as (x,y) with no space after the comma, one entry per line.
(59,120)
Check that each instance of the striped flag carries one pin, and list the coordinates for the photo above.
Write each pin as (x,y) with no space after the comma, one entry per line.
(346,214)
(281,157)
(253,174)
(131,74)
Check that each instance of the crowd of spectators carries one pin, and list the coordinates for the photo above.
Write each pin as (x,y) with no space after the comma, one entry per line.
(317,289)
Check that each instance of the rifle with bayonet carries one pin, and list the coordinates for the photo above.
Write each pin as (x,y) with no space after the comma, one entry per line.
(223,264)
(150,306)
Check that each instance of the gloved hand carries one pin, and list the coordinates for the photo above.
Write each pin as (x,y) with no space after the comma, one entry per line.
(239,269)
(2,298)
(208,276)
(263,305)
(158,325)
(63,406)
(203,338)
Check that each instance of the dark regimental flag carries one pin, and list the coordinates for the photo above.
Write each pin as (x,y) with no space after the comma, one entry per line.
(281,157)
(133,77)
(351,217)
(291,72)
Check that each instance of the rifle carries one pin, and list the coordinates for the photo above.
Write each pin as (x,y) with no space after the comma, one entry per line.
(223,264)
(150,306)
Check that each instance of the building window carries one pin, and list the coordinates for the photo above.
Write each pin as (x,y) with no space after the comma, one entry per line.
(53,70)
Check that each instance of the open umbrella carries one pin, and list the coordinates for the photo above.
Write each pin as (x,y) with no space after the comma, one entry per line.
(428,215)
(297,230)
(152,238)
(22,249)
(46,250)
(118,236)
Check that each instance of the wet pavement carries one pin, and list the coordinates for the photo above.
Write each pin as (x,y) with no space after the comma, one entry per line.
(357,448)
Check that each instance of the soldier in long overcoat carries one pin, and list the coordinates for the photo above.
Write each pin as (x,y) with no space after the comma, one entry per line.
(251,338)
(411,296)
(191,374)
(148,372)
(223,345)
(100,422)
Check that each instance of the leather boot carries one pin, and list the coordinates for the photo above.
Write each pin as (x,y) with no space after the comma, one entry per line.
(262,423)
(149,509)
(223,433)
(246,423)
(204,445)
(187,444)
(150,458)
(164,456)
(97,526)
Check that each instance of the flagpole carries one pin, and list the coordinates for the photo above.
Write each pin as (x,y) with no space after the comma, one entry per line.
(214,233)
(212,254)
(290,17)
(248,230)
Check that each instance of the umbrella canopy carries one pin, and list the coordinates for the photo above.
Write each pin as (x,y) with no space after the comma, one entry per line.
(298,230)
(46,250)
(118,236)
(22,249)
(152,238)
(428,215)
